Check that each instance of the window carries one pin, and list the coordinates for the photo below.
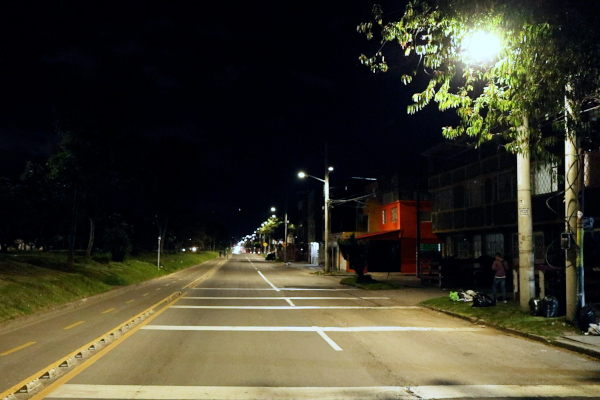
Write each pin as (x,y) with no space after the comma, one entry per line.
(477,246)
(544,178)
(462,247)
(506,186)
(448,248)
(539,247)
(384,217)
(425,216)
(473,195)
(443,200)
(394,212)
(494,243)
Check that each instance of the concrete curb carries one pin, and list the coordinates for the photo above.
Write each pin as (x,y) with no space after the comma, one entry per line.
(562,343)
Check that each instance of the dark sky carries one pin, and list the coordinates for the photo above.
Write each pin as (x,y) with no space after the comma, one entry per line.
(260,87)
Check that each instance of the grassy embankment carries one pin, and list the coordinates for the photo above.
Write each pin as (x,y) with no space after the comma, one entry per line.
(32,281)
(508,316)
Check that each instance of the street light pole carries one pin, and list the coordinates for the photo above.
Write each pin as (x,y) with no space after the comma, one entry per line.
(326,195)
(285,240)
(158,261)
(326,216)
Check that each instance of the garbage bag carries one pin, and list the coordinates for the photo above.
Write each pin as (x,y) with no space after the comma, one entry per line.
(483,300)
(454,296)
(535,307)
(587,317)
(550,307)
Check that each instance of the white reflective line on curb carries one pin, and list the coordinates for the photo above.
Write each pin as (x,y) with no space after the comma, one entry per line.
(307,328)
(280,289)
(300,307)
(266,280)
(71,391)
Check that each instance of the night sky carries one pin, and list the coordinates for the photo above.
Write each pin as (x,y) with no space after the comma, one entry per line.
(255,88)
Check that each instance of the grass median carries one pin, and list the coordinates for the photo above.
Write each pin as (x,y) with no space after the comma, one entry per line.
(509,316)
(36,281)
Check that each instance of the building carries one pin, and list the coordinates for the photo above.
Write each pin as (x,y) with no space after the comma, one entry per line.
(474,211)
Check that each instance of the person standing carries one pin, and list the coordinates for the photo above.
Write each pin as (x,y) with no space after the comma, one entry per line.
(500,267)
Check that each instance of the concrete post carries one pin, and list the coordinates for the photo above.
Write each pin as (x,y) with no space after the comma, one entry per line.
(524,218)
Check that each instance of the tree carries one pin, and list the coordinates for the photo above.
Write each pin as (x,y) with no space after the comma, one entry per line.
(516,95)
(356,253)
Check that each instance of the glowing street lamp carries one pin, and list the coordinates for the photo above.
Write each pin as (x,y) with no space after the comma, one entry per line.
(325,181)
(481,46)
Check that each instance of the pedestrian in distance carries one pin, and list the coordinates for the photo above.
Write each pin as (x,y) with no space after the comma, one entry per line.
(500,267)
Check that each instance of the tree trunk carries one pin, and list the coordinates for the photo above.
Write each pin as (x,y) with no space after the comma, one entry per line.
(71,259)
(88,253)
(162,232)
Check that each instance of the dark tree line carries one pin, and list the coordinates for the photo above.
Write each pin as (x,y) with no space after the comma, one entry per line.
(110,191)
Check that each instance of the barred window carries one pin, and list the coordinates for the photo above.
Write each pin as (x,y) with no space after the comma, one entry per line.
(463,249)
(507,186)
(544,178)
(477,246)
(474,193)
(494,243)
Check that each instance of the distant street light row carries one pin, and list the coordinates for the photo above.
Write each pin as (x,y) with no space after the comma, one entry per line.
(327,199)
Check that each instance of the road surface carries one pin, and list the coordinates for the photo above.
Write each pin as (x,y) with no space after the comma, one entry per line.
(257,329)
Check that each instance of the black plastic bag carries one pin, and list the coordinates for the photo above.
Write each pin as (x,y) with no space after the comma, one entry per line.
(550,307)
(483,300)
(535,307)
(587,316)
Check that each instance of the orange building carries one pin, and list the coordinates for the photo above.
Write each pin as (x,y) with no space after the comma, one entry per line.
(397,226)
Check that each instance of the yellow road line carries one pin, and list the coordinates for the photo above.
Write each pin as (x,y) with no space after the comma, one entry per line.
(90,361)
(145,294)
(55,364)
(130,301)
(17,348)
(73,325)
(107,311)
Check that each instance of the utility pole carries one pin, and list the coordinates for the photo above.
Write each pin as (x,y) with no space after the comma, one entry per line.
(524,217)
(573,300)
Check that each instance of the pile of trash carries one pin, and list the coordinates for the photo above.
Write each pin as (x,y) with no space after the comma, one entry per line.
(594,330)
(478,299)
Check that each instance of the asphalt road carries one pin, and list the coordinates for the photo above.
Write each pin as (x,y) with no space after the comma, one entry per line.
(257,329)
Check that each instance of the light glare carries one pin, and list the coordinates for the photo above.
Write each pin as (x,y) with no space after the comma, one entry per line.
(481,46)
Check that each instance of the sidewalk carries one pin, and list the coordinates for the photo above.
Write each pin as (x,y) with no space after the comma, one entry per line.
(584,344)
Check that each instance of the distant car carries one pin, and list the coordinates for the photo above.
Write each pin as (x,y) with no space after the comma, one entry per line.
(270,256)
